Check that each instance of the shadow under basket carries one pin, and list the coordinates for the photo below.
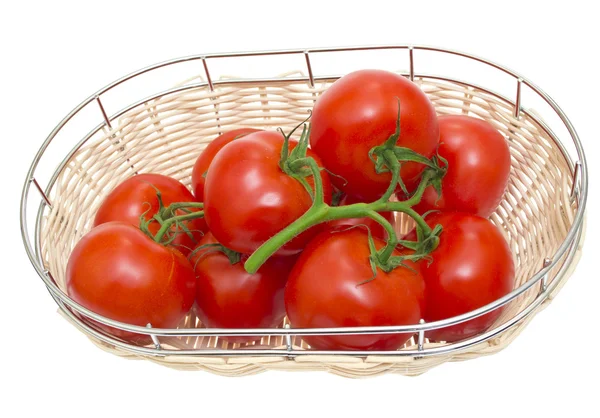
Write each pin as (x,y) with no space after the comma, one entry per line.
(541,215)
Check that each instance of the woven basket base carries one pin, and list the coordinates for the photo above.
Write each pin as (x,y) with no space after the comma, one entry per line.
(346,366)
(165,136)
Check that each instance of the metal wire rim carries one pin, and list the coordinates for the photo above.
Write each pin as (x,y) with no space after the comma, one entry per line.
(579,192)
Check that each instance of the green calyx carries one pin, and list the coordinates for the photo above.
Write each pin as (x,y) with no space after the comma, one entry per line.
(293,162)
(170,221)
(388,156)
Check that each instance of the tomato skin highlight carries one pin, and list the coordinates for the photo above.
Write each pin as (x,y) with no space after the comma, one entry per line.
(375,227)
(208,154)
(248,198)
(118,272)
(358,112)
(229,297)
(478,167)
(472,266)
(324,290)
(136,195)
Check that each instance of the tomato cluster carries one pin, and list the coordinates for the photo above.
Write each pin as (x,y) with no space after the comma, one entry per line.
(306,227)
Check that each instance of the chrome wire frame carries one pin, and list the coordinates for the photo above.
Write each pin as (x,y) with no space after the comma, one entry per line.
(67,305)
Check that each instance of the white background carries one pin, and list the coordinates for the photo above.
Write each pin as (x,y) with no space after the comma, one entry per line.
(55,54)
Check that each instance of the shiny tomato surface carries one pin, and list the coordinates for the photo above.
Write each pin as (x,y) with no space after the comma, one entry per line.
(229,297)
(136,196)
(208,154)
(115,270)
(471,267)
(358,112)
(248,198)
(478,167)
(331,286)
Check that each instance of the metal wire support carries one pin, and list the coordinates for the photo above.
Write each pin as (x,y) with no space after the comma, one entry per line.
(518,99)
(411,73)
(311,78)
(154,338)
(421,338)
(288,339)
(544,280)
(104,115)
(208,78)
(77,313)
(109,126)
(576,179)
(41,191)
(211,86)
(49,275)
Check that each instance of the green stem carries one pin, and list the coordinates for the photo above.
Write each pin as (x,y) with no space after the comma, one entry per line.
(315,215)
(168,223)
(184,205)
(411,245)
(418,194)
(321,212)
(392,240)
(394,166)
(316,174)
(406,206)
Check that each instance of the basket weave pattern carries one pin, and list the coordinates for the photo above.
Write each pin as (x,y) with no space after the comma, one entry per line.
(167,134)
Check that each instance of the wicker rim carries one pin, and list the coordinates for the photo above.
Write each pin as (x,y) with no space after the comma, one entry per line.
(570,242)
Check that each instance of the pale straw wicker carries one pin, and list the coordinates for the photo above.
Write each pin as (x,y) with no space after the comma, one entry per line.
(165,135)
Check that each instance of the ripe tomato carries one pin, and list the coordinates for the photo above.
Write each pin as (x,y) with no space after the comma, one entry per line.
(478,167)
(228,297)
(204,160)
(472,266)
(117,271)
(136,195)
(375,227)
(248,198)
(358,112)
(324,290)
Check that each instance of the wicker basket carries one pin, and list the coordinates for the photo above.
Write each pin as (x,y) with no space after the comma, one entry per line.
(541,215)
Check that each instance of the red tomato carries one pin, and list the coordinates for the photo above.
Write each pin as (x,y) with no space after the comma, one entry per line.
(478,167)
(118,272)
(248,198)
(228,297)
(375,227)
(472,266)
(136,195)
(324,290)
(358,112)
(204,160)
